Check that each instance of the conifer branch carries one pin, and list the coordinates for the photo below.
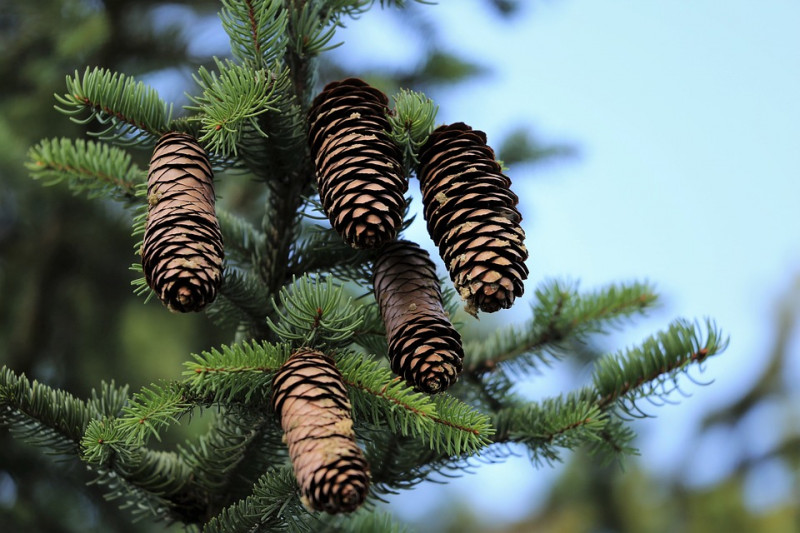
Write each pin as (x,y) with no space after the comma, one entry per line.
(41,415)
(185,485)
(279,228)
(256,29)
(139,501)
(560,313)
(321,249)
(652,369)
(562,422)
(289,175)
(274,147)
(152,410)
(242,302)
(154,482)
(109,401)
(412,122)
(58,421)
(242,240)
(459,429)
(265,451)
(399,463)
(161,473)
(103,441)
(273,503)
(282,162)
(490,392)
(138,225)
(615,439)
(215,456)
(131,112)
(240,373)
(147,414)
(442,422)
(86,167)
(157,482)
(372,334)
(313,312)
(140,220)
(362,521)
(231,103)
(311,27)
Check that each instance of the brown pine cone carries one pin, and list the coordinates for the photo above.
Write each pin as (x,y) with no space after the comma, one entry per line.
(182,248)
(310,397)
(472,217)
(424,348)
(359,175)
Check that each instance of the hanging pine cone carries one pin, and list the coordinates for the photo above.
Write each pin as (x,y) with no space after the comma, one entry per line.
(359,175)
(182,248)
(424,348)
(309,396)
(472,217)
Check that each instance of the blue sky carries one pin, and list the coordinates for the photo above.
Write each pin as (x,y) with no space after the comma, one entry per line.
(687,116)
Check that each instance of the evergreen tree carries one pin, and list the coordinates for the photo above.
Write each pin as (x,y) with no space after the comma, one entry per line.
(307,364)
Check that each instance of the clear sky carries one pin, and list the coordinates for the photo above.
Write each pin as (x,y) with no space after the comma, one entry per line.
(687,116)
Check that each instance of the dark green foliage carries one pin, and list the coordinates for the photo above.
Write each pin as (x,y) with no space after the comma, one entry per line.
(40,415)
(272,506)
(242,301)
(86,166)
(314,312)
(131,111)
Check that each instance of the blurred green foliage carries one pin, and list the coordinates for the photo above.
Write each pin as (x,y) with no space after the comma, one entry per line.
(69,316)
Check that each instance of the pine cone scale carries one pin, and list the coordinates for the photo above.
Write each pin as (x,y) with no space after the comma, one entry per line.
(310,397)
(424,348)
(472,217)
(359,176)
(182,250)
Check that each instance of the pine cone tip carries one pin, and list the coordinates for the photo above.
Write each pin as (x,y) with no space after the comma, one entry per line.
(436,382)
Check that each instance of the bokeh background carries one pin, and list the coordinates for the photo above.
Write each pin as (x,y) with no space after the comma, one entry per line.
(647,140)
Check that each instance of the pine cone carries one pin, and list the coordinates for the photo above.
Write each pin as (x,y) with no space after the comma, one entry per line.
(310,397)
(182,249)
(359,175)
(424,348)
(472,217)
